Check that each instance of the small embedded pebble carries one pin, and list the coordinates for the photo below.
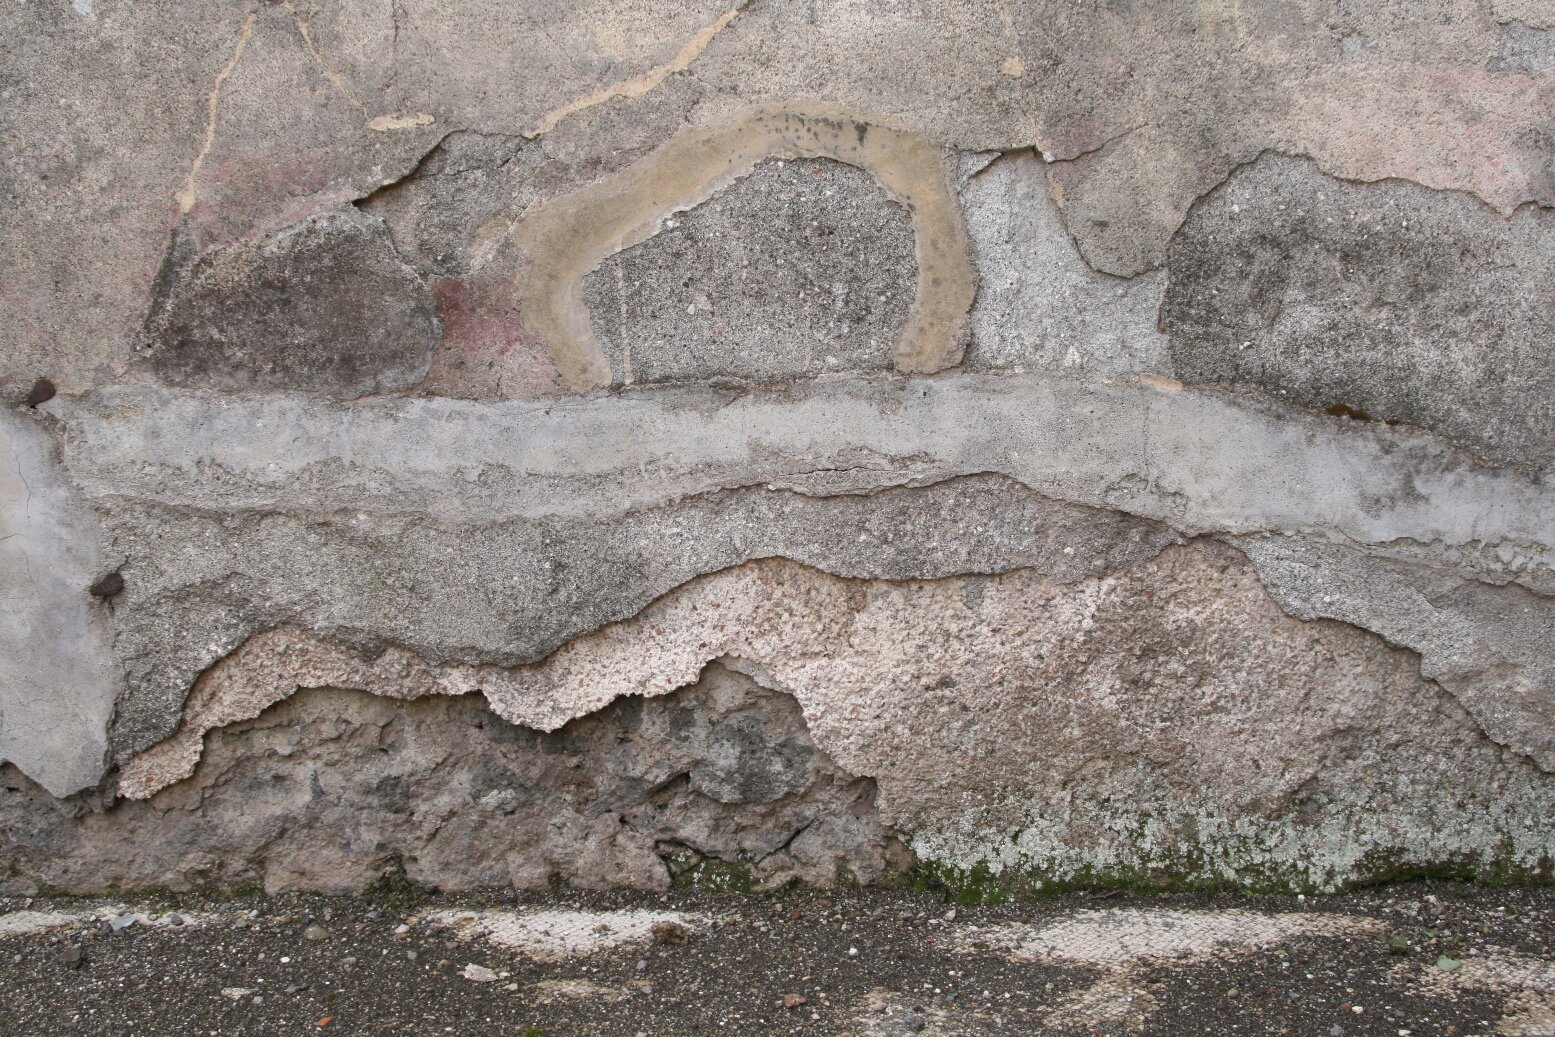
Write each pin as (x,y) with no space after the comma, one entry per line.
(107,587)
(479,974)
(670,932)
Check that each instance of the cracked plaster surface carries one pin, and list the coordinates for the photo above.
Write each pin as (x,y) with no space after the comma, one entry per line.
(1369,92)
(1252,716)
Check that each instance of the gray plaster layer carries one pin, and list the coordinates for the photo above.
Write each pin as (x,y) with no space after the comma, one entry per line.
(1039,306)
(59,679)
(336,790)
(801,268)
(325,305)
(565,517)
(1525,48)
(1489,645)
(510,592)
(1202,461)
(1388,300)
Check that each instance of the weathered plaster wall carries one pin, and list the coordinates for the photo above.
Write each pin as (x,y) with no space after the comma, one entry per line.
(614,441)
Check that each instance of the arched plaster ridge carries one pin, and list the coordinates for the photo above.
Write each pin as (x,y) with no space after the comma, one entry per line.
(572,235)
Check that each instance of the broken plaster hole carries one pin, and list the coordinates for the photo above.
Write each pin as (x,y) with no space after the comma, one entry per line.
(717,784)
(799,269)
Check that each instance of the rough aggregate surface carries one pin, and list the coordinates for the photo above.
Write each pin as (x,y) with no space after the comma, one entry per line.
(702,299)
(1382,302)
(1103,443)
(1435,960)
(334,791)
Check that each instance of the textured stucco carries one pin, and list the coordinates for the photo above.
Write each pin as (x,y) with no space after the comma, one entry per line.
(815,311)
(1263,746)
(1118,436)
(1385,302)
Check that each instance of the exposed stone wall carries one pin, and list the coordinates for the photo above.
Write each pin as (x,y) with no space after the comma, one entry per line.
(606,442)
(332,790)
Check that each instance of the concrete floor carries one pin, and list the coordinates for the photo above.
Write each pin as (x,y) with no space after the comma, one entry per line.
(1403,961)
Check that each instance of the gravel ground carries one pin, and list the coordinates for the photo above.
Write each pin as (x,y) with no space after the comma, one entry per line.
(1412,960)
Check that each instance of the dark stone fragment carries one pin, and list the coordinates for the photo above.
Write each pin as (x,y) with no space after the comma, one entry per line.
(107,587)
(42,391)
(325,306)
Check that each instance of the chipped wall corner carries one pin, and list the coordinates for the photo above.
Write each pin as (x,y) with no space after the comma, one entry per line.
(777,442)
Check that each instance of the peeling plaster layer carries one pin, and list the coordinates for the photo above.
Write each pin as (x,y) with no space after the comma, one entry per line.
(1203,720)
(1199,460)
(58,676)
(569,237)
(1489,646)
(351,522)
(512,592)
